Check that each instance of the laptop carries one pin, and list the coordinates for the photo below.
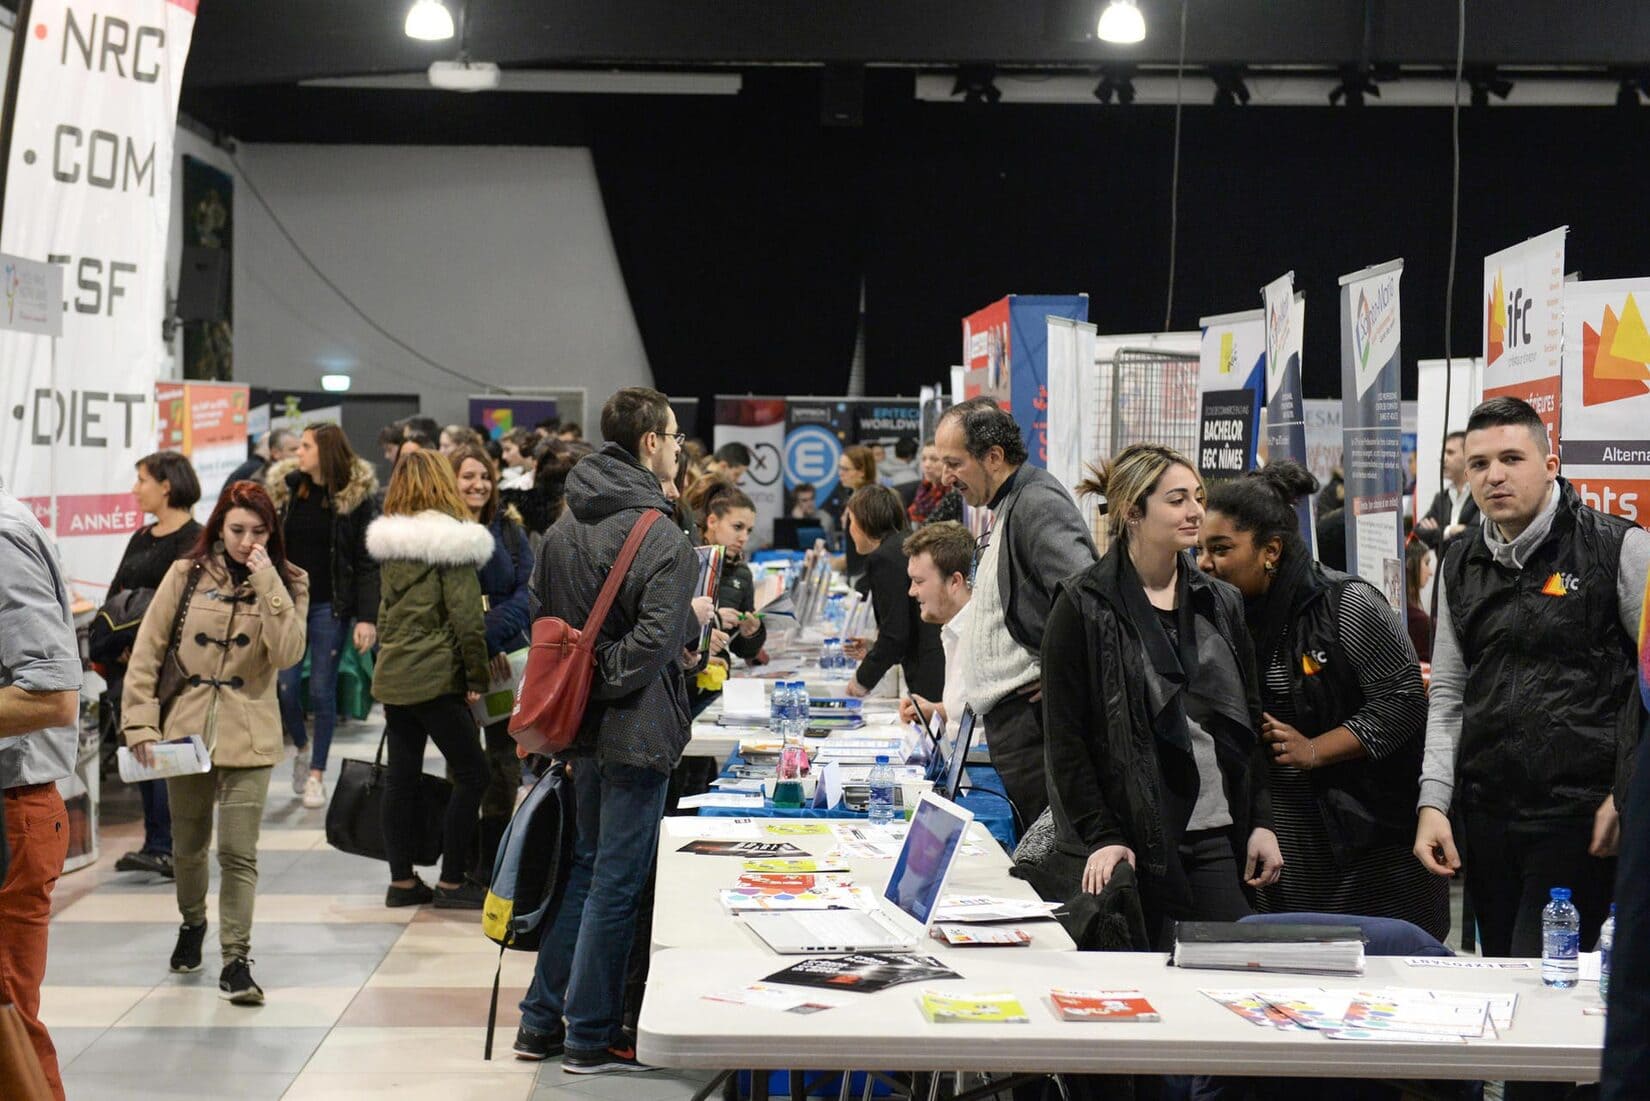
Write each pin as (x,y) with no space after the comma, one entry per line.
(900,919)
(950,786)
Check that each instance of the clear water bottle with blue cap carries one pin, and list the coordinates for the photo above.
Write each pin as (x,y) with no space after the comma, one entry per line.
(881,781)
(1606,942)
(1560,941)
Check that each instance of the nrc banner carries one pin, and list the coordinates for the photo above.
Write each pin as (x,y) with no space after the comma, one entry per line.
(1372,428)
(1524,324)
(88,186)
(1231,377)
(1285,414)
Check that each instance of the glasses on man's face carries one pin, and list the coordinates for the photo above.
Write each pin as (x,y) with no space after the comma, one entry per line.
(679,437)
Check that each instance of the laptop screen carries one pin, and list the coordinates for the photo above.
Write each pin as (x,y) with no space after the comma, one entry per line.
(931,842)
(959,755)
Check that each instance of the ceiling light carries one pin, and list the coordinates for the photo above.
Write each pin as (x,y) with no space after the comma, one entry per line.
(335,384)
(1122,23)
(429,21)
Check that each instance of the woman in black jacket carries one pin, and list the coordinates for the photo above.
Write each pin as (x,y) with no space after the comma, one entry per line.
(1150,710)
(877,526)
(1345,711)
(326,497)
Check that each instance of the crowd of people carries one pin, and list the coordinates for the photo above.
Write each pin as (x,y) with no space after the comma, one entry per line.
(1209,703)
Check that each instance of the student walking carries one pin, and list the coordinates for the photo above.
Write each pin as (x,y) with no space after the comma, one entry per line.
(432,665)
(244,609)
(326,499)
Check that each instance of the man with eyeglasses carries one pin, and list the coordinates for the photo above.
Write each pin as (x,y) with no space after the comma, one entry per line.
(1037,539)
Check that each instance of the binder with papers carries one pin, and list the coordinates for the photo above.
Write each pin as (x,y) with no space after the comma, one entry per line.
(1259,946)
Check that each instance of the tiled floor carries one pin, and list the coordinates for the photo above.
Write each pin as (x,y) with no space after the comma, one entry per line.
(363,1002)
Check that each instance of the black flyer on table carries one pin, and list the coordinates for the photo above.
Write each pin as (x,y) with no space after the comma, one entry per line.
(866,972)
(749,850)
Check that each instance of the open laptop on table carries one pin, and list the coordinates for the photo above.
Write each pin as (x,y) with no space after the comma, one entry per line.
(900,918)
(949,785)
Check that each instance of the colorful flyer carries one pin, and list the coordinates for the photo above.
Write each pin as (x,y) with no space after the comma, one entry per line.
(1102,1005)
(971,1008)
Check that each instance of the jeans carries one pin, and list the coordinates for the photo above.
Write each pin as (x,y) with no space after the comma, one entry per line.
(326,638)
(238,794)
(1510,866)
(447,721)
(37,835)
(157,816)
(582,958)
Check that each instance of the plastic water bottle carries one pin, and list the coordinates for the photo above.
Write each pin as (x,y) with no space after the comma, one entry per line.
(1606,941)
(882,793)
(1560,941)
(798,710)
(776,707)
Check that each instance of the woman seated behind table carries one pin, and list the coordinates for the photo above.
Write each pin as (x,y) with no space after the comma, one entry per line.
(1344,711)
(1150,708)
(877,525)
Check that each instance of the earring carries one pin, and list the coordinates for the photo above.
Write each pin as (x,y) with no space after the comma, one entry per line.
(1270,567)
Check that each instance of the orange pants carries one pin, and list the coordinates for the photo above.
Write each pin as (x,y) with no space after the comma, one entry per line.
(37,833)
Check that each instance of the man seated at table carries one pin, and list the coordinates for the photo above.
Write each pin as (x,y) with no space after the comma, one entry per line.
(937,560)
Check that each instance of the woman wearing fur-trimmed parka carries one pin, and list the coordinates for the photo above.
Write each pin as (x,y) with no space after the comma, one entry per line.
(432,663)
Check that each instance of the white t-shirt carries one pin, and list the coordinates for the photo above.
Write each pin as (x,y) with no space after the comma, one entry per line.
(954,637)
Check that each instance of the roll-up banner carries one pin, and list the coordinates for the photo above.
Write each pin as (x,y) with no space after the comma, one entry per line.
(1005,346)
(1285,415)
(1524,324)
(817,431)
(1372,427)
(1605,431)
(207,422)
(1231,379)
(759,424)
(88,182)
(1070,357)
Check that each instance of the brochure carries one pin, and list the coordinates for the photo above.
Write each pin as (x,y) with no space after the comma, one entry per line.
(179,757)
(796,829)
(738,800)
(971,1008)
(750,850)
(763,996)
(1255,1009)
(777,882)
(499,700)
(742,900)
(865,972)
(981,936)
(790,867)
(1102,1005)
(988,908)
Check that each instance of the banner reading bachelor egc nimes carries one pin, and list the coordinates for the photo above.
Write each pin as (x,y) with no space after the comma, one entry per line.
(1371,427)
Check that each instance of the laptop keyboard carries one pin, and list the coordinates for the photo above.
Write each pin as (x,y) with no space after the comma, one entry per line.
(840,926)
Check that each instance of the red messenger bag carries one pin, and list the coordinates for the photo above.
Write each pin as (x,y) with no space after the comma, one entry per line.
(555,686)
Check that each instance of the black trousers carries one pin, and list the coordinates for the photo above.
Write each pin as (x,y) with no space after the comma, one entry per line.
(1014,731)
(1510,867)
(445,720)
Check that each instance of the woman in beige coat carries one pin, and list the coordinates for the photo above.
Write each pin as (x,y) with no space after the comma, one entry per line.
(244,621)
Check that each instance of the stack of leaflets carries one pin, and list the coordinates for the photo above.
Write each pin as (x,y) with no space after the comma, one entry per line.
(745,850)
(1395,1014)
(1261,946)
(976,936)
(865,972)
(802,865)
(825,896)
(763,996)
(971,1008)
(1102,1005)
(988,908)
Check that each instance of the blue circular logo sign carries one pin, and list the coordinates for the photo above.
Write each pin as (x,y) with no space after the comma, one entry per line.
(811,454)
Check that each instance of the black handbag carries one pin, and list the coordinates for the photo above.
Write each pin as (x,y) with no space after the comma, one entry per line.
(115,627)
(355,814)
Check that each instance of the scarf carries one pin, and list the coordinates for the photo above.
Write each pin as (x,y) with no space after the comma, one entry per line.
(928,498)
(1269,616)
(1176,666)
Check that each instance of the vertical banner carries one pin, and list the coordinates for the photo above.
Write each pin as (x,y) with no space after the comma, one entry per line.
(816,434)
(1372,425)
(207,422)
(1028,316)
(1285,415)
(1464,381)
(1070,358)
(88,185)
(1605,430)
(1524,324)
(759,424)
(1231,379)
(987,369)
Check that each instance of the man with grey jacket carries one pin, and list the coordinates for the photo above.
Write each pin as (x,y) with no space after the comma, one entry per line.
(633,733)
(1037,539)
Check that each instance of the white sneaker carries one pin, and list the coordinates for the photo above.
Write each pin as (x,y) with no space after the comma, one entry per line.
(300,770)
(315,793)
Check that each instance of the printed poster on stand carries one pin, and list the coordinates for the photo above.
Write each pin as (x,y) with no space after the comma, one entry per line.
(89,180)
(501,415)
(1005,346)
(759,424)
(1231,380)
(817,431)
(207,421)
(882,422)
(1372,427)
(1285,415)
(1605,429)
(1524,324)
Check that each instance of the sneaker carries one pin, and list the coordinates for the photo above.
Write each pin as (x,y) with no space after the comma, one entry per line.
(315,793)
(416,895)
(186,957)
(235,984)
(611,1058)
(535,1045)
(468,895)
(155,863)
(300,770)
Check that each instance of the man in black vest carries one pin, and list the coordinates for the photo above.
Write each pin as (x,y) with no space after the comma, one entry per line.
(1534,707)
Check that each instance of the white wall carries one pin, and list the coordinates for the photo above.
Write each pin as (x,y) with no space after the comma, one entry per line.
(495,262)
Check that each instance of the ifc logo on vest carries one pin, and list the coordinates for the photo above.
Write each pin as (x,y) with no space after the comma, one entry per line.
(811,455)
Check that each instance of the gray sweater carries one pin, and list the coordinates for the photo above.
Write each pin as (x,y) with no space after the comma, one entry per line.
(1449,669)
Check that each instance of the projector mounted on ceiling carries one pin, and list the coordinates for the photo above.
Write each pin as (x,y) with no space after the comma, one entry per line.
(464,76)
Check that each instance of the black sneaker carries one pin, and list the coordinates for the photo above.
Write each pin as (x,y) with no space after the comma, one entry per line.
(416,895)
(468,895)
(186,957)
(235,985)
(611,1058)
(535,1045)
(154,863)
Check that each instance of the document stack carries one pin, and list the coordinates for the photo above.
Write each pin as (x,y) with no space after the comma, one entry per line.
(1259,946)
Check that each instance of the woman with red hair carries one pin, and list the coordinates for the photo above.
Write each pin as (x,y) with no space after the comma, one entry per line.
(243,616)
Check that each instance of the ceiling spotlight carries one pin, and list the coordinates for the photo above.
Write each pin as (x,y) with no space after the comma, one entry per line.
(1230,91)
(1485,83)
(1122,23)
(1116,82)
(1356,83)
(429,21)
(975,84)
(335,384)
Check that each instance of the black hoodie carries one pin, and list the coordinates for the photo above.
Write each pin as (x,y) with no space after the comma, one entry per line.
(638,700)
